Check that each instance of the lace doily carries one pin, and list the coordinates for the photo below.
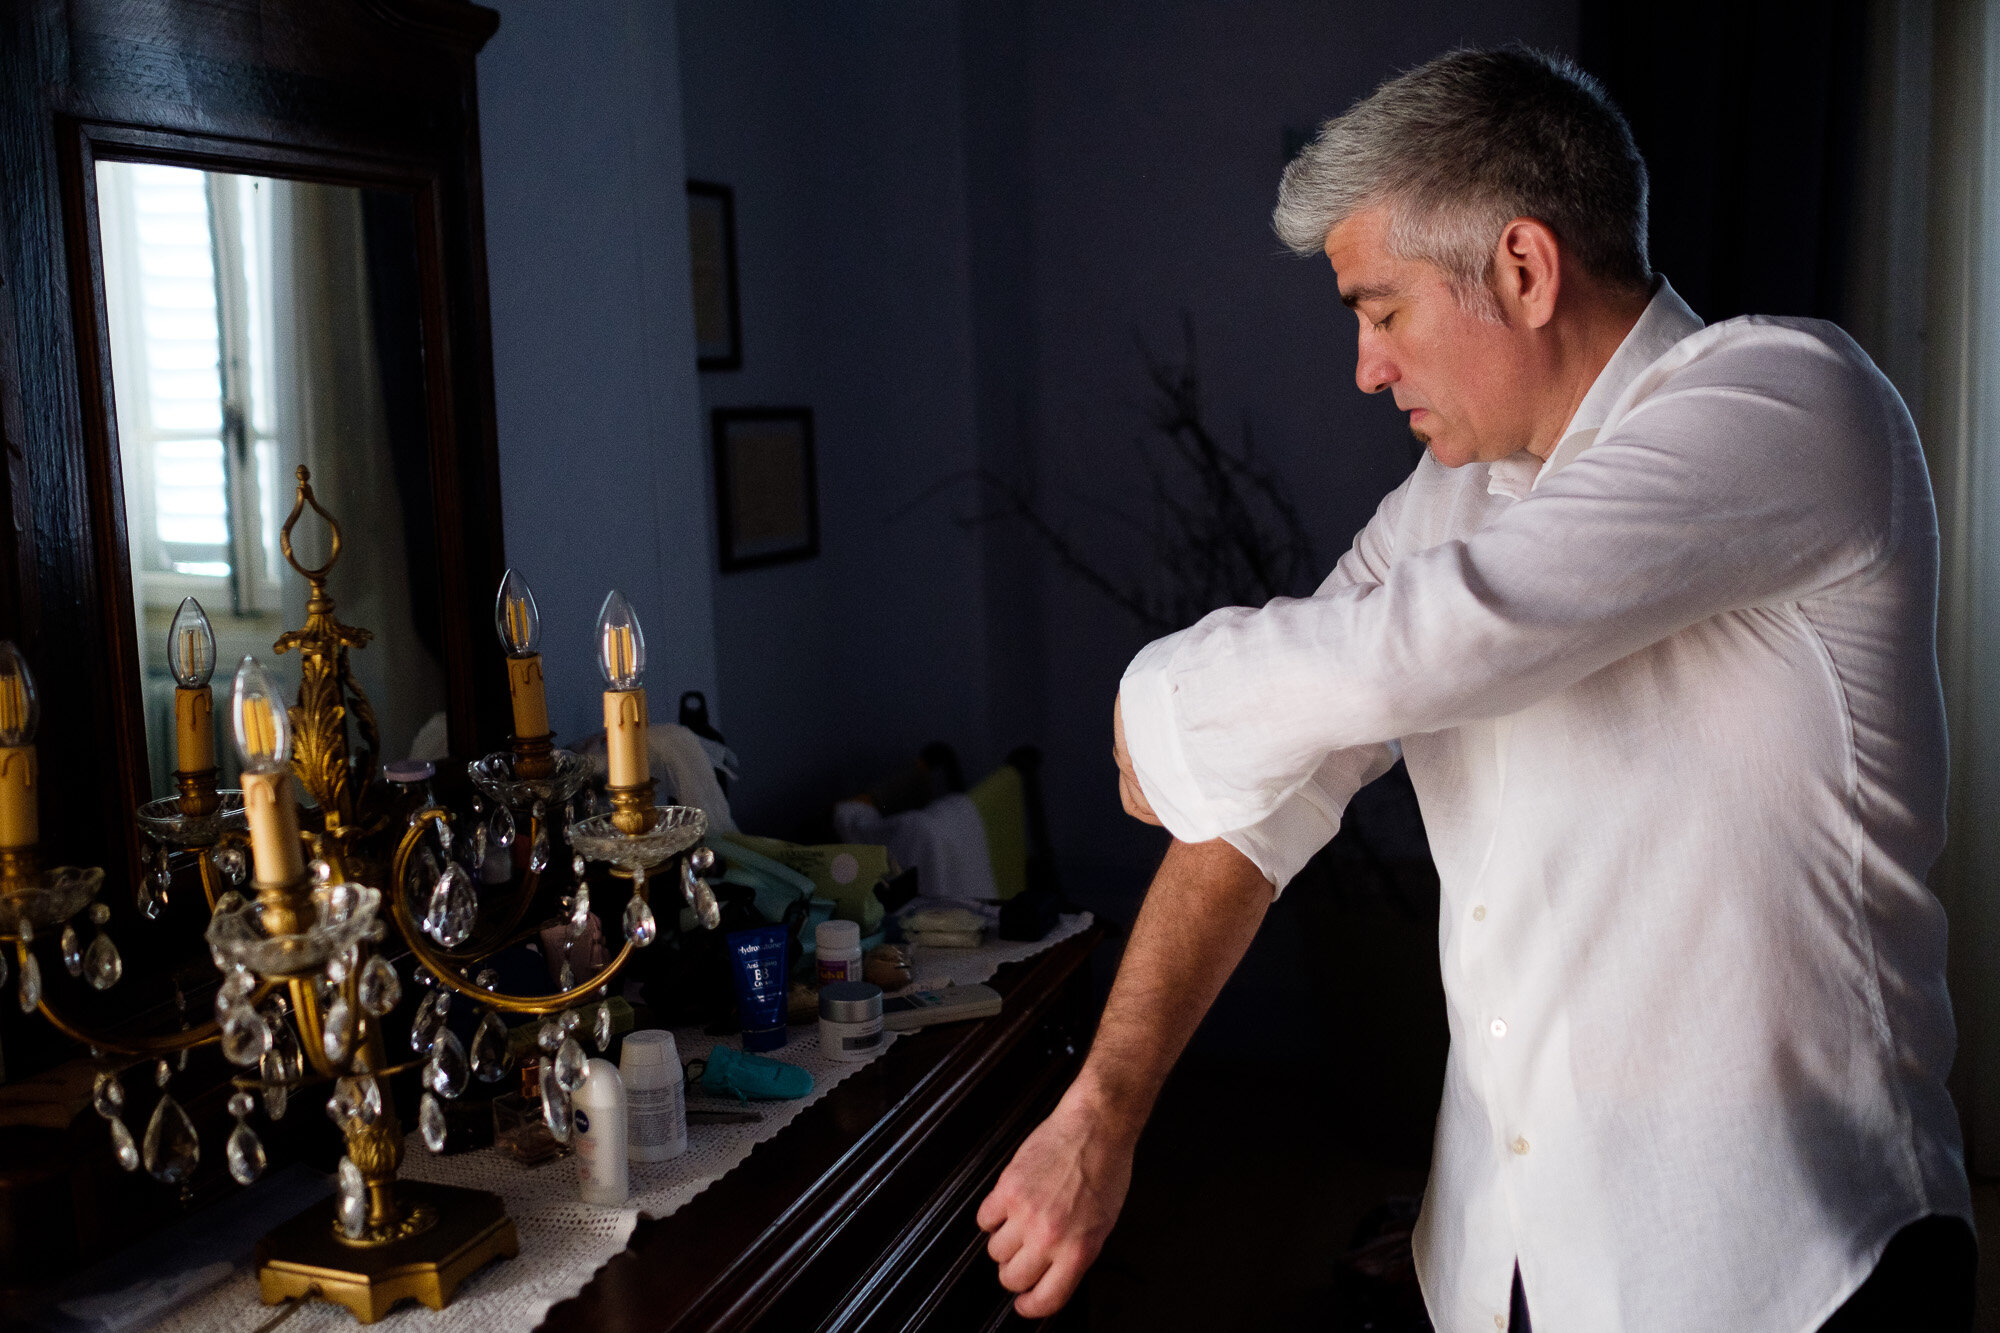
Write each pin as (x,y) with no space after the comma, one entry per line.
(563,1240)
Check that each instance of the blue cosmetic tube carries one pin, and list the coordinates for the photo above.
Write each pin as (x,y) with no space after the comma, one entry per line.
(759,958)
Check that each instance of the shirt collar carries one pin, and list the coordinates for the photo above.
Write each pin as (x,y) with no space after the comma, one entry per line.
(1665,321)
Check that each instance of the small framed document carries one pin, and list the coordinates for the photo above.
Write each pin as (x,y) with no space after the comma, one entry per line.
(718,329)
(767,506)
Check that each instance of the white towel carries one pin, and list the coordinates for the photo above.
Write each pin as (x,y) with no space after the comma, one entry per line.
(945,841)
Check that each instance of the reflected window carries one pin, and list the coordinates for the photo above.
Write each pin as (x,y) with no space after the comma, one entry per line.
(189,253)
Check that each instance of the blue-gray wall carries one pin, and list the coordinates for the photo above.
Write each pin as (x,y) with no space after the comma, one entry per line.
(601,465)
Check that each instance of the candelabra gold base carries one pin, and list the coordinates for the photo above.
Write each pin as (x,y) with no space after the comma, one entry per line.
(304,1257)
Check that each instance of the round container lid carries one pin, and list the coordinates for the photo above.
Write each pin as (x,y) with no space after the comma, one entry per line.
(850,1001)
(654,1046)
(836,935)
(410,770)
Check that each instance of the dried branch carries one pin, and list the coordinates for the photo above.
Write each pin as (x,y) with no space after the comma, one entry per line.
(1222,531)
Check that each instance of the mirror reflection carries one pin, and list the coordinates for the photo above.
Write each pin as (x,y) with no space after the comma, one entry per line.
(257,324)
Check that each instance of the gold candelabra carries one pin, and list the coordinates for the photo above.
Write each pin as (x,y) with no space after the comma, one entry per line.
(306,984)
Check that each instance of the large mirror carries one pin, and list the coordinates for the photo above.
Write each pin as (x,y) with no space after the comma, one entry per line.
(257,324)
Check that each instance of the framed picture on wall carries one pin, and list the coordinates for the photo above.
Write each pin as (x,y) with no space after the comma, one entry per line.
(767,506)
(718,329)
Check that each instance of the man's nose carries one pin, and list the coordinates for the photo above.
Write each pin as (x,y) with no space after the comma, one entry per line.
(1373,372)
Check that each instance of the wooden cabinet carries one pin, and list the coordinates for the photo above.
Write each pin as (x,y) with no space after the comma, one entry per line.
(859,1215)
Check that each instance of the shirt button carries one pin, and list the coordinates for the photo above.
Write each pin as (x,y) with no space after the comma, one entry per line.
(1479,913)
(1520,1147)
(1498,1027)
(1499,1321)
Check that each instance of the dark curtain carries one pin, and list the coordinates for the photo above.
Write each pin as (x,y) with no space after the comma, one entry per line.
(389,229)
(1749,114)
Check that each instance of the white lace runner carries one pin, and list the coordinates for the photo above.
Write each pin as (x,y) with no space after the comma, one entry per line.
(563,1240)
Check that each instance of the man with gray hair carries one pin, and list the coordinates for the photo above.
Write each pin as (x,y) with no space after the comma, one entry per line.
(1652,623)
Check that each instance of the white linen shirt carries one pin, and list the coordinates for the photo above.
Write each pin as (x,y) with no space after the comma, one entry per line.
(1671,707)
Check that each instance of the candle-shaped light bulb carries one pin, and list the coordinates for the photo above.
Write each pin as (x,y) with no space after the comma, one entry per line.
(191,646)
(520,627)
(20,709)
(621,644)
(514,615)
(263,729)
(264,744)
(20,812)
(621,655)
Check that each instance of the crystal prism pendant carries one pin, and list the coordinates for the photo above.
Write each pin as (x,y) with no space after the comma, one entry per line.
(448,1068)
(3,965)
(570,1066)
(381,989)
(231,862)
(273,1071)
(555,1106)
(170,1150)
(352,1210)
(107,1094)
(476,856)
(600,1028)
(102,965)
(31,983)
(122,1146)
(538,852)
(549,1035)
(579,911)
(246,1154)
(489,1050)
(430,1120)
(500,829)
(72,950)
(352,1186)
(245,1036)
(640,927)
(339,1031)
(454,908)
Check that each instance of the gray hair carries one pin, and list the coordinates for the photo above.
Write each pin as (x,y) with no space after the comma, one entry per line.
(1460,147)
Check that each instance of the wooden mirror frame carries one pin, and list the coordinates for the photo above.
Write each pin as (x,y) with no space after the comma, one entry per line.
(372,93)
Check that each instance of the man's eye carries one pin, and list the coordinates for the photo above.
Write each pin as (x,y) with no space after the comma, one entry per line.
(1383,323)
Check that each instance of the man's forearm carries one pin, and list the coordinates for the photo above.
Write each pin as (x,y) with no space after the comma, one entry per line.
(1203,909)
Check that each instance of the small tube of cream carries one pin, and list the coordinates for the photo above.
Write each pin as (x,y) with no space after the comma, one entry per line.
(758,957)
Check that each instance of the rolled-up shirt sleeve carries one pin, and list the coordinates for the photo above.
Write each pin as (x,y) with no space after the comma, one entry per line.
(1709,496)
(1280,843)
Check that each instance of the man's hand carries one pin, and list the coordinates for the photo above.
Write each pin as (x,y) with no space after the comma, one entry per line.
(1129,791)
(1055,1203)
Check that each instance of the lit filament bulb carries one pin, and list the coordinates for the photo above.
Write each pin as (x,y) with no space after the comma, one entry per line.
(621,644)
(191,646)
(520,628)
(515,617)
(20,817)
(621,656)
(191,657)
(263,730)
(20,709)
(264,744)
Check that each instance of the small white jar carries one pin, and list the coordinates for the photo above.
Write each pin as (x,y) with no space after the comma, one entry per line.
(837,947)
(655,1095)
(850,1019)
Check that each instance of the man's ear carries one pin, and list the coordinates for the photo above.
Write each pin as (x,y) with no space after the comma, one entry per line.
(1527,272)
